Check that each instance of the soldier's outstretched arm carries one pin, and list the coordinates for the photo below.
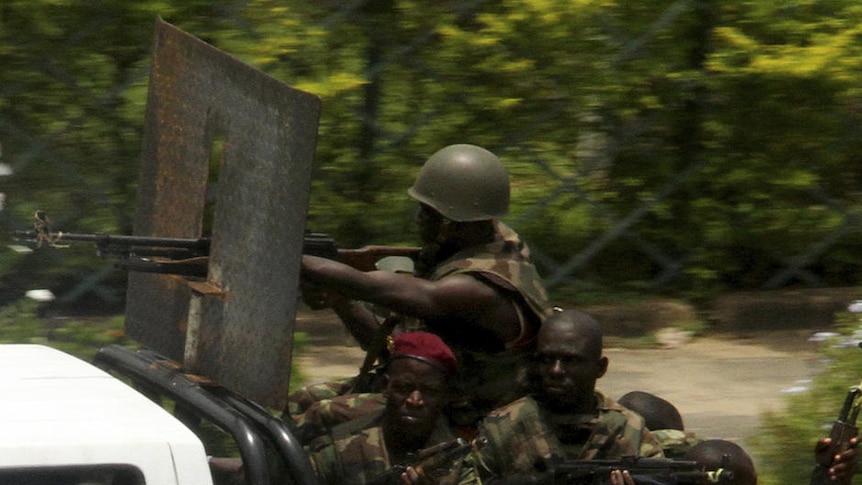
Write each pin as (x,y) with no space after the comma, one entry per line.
(459,297)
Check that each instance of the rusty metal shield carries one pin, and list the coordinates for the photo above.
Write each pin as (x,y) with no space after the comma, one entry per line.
(228,153)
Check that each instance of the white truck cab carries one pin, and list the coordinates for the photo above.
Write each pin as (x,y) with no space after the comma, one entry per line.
(65,421)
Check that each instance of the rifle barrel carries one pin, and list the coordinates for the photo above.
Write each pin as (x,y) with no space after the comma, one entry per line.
(124,240)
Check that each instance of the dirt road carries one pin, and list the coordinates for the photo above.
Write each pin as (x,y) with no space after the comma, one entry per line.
(720,385)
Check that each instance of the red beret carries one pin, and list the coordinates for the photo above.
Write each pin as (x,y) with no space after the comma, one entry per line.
(425,347)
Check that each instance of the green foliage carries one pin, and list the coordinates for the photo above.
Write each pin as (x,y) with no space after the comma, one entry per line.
(21,323)
(597,108)
(784,448)
(297,377)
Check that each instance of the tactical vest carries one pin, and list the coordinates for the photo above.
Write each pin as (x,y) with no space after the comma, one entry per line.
(491,378)
(505,264)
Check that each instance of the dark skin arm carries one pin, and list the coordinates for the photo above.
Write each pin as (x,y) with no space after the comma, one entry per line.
(458,298)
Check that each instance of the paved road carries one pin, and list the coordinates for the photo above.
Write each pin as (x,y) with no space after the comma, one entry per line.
(720,385)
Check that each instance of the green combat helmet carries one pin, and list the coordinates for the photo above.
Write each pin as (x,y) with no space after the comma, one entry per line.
(463,183)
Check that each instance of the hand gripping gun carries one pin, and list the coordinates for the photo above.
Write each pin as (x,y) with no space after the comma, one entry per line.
(843,429)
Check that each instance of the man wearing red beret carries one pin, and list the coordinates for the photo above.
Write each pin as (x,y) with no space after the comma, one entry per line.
(416,392)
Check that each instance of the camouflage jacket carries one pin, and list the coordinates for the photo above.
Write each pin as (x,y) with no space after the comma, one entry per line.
(301,400)
(325,414)
(524,438)
(356,453)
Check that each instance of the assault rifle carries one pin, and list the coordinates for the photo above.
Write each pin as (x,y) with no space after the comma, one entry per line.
(430,460)
(843,429)
(190,256)
(597,472)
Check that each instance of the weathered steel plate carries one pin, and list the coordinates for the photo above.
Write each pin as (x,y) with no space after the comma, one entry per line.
(237,326)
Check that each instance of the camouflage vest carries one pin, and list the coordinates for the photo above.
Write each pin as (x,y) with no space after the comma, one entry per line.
(491,378)
(523,437)
(505,264)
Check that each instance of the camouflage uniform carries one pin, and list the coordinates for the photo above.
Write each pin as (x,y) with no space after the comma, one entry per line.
(675,443)
(323,415)
(302,400)
(525,438)
(356,453)
(504,264)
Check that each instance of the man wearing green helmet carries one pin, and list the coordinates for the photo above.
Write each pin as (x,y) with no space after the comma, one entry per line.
(474,282)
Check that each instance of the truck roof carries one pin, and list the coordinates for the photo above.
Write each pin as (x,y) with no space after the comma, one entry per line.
(58,410)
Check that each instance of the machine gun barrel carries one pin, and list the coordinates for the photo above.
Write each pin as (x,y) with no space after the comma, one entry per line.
(190,256)
(116,243)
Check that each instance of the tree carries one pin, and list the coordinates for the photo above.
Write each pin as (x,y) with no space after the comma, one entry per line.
(622,123)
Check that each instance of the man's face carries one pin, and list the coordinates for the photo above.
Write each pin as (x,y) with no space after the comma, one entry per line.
(568,366)
(415,396)
(429,221)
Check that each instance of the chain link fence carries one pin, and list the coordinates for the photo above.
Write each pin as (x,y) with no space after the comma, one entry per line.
(664,264)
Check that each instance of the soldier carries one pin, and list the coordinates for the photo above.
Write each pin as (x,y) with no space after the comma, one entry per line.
(362,450)
(566,417)
(663,420)
(475,284)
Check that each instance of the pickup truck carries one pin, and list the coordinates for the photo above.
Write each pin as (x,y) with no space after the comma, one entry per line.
(132,417)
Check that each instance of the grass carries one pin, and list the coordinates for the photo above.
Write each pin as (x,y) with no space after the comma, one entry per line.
(785,445)
(21,323)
